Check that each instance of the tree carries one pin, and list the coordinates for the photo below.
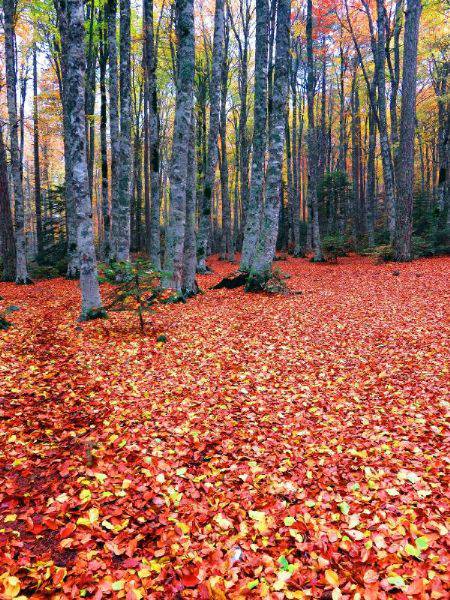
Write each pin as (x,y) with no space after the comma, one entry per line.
(152,132)
(254,211)
(71,22)
(114,126)
(175,233)
(7,241)
(9,12)
(122,250)
(214,121)
(265,249)
(403,230)
(312,139)
(37,172)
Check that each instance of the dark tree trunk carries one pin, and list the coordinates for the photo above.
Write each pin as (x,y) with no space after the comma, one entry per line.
(403,230)
(37,172)
(7,241)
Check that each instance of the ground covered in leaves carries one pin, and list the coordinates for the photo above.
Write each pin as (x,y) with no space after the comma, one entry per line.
(287,446)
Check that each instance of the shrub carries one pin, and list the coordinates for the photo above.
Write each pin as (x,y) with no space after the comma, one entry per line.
(334,246)
(43,271)
(272,282)
(135,287)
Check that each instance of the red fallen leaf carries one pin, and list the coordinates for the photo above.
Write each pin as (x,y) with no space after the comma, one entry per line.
(131,563)
(415,587)
(190,578)
(50,523)
(67,530)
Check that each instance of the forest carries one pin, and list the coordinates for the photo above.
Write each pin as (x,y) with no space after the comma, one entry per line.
(224,240)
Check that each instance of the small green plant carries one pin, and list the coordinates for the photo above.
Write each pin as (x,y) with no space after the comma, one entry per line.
(4,323)
(135,287)
(334,246)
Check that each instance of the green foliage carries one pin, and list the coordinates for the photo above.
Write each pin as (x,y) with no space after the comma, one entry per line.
(334,246)
(135,287)
(43,271)
(272,282)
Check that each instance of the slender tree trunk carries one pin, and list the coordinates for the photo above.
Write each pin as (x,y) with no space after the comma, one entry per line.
(227,247)
(114,129)
(189,285)
(403,231)
(106,218)
(7,241)
(91,60)
(9,11)
(371,179)
(356,159)
(73,34)
(37,172)
(386,156)
(150,60)
(214,118)
(122,242)
(266,244)
(254,209)
(175,230)
(312,140)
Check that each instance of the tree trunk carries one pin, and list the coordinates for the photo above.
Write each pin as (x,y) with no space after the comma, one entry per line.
(122,232)
(386,156)
(266,245)
(37,172)
(74,84)
(7,241)
(227,246)
(114,129)
(106,218)
(312,140)
(175,230)
(9,11)
(150,59)
(403,231)
(214,117)
(254,209)
(371,179)
(189,285)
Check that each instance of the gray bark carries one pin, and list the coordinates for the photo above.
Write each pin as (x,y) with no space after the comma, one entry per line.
(254,210)
(312,141)
(189,285)
(266,245)
(175,232)
(114,128)
(386,156)
(7,241)
(227,246)
(403,231)
(9,10)
(122,215)
(106,216)
(214,118)
(74,84)
(37,171)
(153,242)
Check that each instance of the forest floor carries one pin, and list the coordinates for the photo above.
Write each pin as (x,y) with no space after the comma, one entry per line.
(275,446)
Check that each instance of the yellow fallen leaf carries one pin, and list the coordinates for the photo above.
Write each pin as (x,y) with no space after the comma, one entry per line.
(12,587)
(85,495)
(10,518)
(332,578)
